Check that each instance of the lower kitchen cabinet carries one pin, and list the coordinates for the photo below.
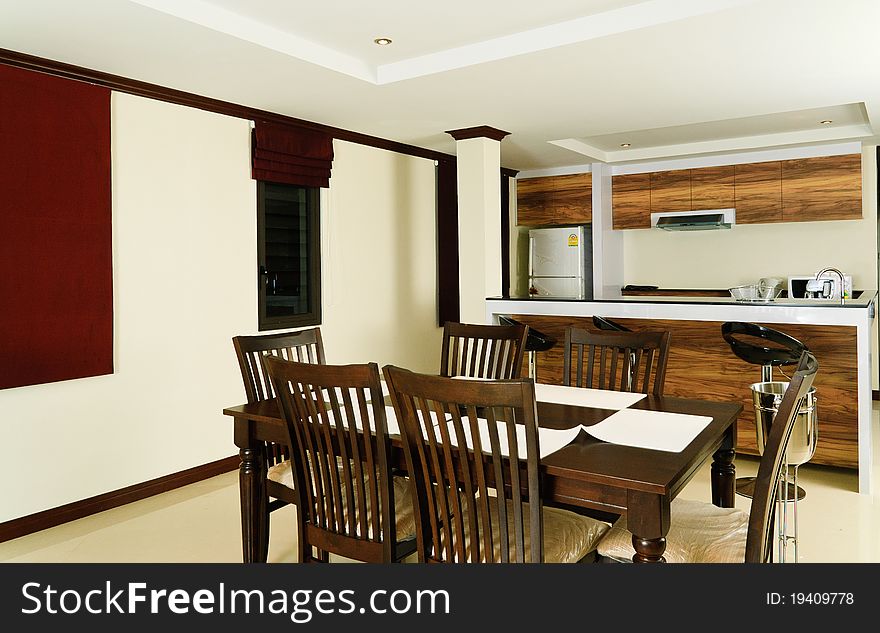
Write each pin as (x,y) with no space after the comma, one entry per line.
(702,364)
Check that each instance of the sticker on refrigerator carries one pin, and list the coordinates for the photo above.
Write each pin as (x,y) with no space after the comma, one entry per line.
(573,239)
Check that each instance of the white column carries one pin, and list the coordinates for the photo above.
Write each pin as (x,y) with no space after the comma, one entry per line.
(479,221)
(608,271)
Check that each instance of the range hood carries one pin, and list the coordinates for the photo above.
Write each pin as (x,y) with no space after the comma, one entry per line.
(703,220)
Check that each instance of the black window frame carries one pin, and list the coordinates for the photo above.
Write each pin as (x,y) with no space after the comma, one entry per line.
(313,316)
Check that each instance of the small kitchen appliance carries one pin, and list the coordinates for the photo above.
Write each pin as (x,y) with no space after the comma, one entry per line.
(823,285)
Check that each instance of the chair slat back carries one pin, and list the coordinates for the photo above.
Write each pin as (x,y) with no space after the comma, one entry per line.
(335,419)
(618,361)
(483,351)
(251,351)
(304,346)
(759,542)
(470,497)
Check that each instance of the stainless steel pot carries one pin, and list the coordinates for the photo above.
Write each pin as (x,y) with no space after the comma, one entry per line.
(766,397)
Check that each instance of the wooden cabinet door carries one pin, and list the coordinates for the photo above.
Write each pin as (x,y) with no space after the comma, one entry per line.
(671,191)
(758,190)
(712,188)
(631,201)
(554,200)
(822,188)
(572,199)
(532,196)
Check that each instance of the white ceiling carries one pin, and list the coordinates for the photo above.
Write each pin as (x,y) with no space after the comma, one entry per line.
(569,79)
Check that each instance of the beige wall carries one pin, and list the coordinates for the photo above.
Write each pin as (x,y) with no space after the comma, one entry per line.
(744,254)
(184,229)
(379,248)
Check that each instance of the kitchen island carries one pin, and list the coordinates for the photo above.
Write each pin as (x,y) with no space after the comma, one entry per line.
(702,365)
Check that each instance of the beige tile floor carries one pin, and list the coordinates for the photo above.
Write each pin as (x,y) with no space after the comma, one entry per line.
(200,523)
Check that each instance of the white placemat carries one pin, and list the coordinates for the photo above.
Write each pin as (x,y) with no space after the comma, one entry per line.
(392,424)
(581,397)
(549,440)
(657,430)
(390,420)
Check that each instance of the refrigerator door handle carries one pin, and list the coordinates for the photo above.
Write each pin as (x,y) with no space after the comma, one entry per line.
(581,246)
(531,253)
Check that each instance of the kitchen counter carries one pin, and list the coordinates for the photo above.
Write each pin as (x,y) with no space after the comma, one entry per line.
(865,299)
(702,365)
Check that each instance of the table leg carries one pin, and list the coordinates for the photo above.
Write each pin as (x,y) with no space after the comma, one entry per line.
(723,478)
(648,518)
(649,550)
(252,488)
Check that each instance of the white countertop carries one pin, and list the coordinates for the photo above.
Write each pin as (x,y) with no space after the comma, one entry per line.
(865,299)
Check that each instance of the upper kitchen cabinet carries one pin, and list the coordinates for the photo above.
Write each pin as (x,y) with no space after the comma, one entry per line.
(554,200)
(671,191)
(758,189)
(797,190)
(712,188)
(822,188)
(631,201)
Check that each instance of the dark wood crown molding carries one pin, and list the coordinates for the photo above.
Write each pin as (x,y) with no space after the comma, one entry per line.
(479,131)
(179,97)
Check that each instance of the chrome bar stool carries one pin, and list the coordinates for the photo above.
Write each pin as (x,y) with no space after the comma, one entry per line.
(607,324)
(770,348)
(536,341)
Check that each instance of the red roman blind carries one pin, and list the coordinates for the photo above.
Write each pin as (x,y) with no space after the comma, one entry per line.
(56,270)
(291,155)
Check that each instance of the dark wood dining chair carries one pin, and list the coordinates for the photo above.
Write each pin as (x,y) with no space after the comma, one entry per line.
(348,501)
(619,361)
(700,532)
(483,351)
(474,503)
(252,351)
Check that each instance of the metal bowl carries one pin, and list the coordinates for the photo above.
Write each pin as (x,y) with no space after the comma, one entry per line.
(755,292)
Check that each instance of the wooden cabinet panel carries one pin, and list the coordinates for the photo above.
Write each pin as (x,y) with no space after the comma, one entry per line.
(554,200)
(532,196)
(712,188)
(799,190)
(822,188)
(671,191)
(631,201)
(701,365)
(758,192)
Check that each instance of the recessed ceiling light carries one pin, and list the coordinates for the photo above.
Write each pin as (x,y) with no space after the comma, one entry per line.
(826,122)
(625,144)
(382,41)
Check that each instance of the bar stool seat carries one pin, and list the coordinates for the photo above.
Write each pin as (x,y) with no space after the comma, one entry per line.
(536,341)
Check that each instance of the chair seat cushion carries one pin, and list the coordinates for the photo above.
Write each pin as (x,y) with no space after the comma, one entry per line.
(405,523)
(699,533)
(568,537)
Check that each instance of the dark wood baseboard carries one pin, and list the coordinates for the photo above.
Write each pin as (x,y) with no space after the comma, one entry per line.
(875,395)
(79,509)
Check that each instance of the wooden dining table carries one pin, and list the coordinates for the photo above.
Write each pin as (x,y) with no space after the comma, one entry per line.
(587,473)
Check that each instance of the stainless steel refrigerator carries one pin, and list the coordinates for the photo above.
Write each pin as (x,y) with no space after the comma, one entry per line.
(561,262)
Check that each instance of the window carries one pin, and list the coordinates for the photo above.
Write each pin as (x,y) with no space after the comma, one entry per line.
(289,255)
